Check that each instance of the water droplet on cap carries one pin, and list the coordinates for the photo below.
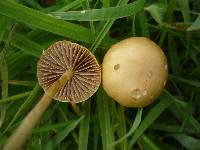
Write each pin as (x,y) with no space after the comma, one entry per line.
(164,82)
(117,66)
(149,74)
(165,66)
(144,92)
(136,94)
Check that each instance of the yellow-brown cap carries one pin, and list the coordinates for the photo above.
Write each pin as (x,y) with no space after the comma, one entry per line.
(134,72)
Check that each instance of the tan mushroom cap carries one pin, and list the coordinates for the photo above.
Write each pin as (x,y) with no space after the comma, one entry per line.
(65,55)
(134,72)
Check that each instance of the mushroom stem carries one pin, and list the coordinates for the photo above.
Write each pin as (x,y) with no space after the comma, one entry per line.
(75,108)
(25,129)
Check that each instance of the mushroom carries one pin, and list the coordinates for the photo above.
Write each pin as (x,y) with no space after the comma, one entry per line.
(67,72)
(65,55)
(134,72)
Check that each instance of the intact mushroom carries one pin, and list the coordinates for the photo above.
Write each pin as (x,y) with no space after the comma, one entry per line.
(67,72)
(134,72)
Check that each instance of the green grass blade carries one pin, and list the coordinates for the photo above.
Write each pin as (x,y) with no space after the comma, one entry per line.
(64,133)
(186,81)
(135,125)
(4,92)
(101,35)
(50,127)
(32,3)
(104,120)
(195,25)
(106,3)
(185,9)
(173,128)
(143,24)
(12,59)
(170,10)
(105,28)
(184,115)
(14,97)
(157,12)
(101,14)
(188,142)
(165,101)
(27,45)
(43,21)
(4,22)
(25,106)
(71,5)
(121,128)
(84,128)
(17,62)
(96,135)
(150,143)
(173,54)
(108,25)
(162,37)
(22,83)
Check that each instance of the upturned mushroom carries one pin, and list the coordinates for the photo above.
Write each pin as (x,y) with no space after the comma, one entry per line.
(67,72)
(134,72)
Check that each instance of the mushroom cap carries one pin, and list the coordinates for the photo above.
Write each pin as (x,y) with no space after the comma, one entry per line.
(65,55)
(134,72)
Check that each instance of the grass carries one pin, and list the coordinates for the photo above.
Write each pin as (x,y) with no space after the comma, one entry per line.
(29,27)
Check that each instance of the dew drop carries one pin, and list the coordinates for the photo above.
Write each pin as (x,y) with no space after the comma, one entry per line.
(136,94)
(144,92)
(149,74)
(50,15)
(83,11)
(164,82)
(165,67)
(58,17)
(117,66)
